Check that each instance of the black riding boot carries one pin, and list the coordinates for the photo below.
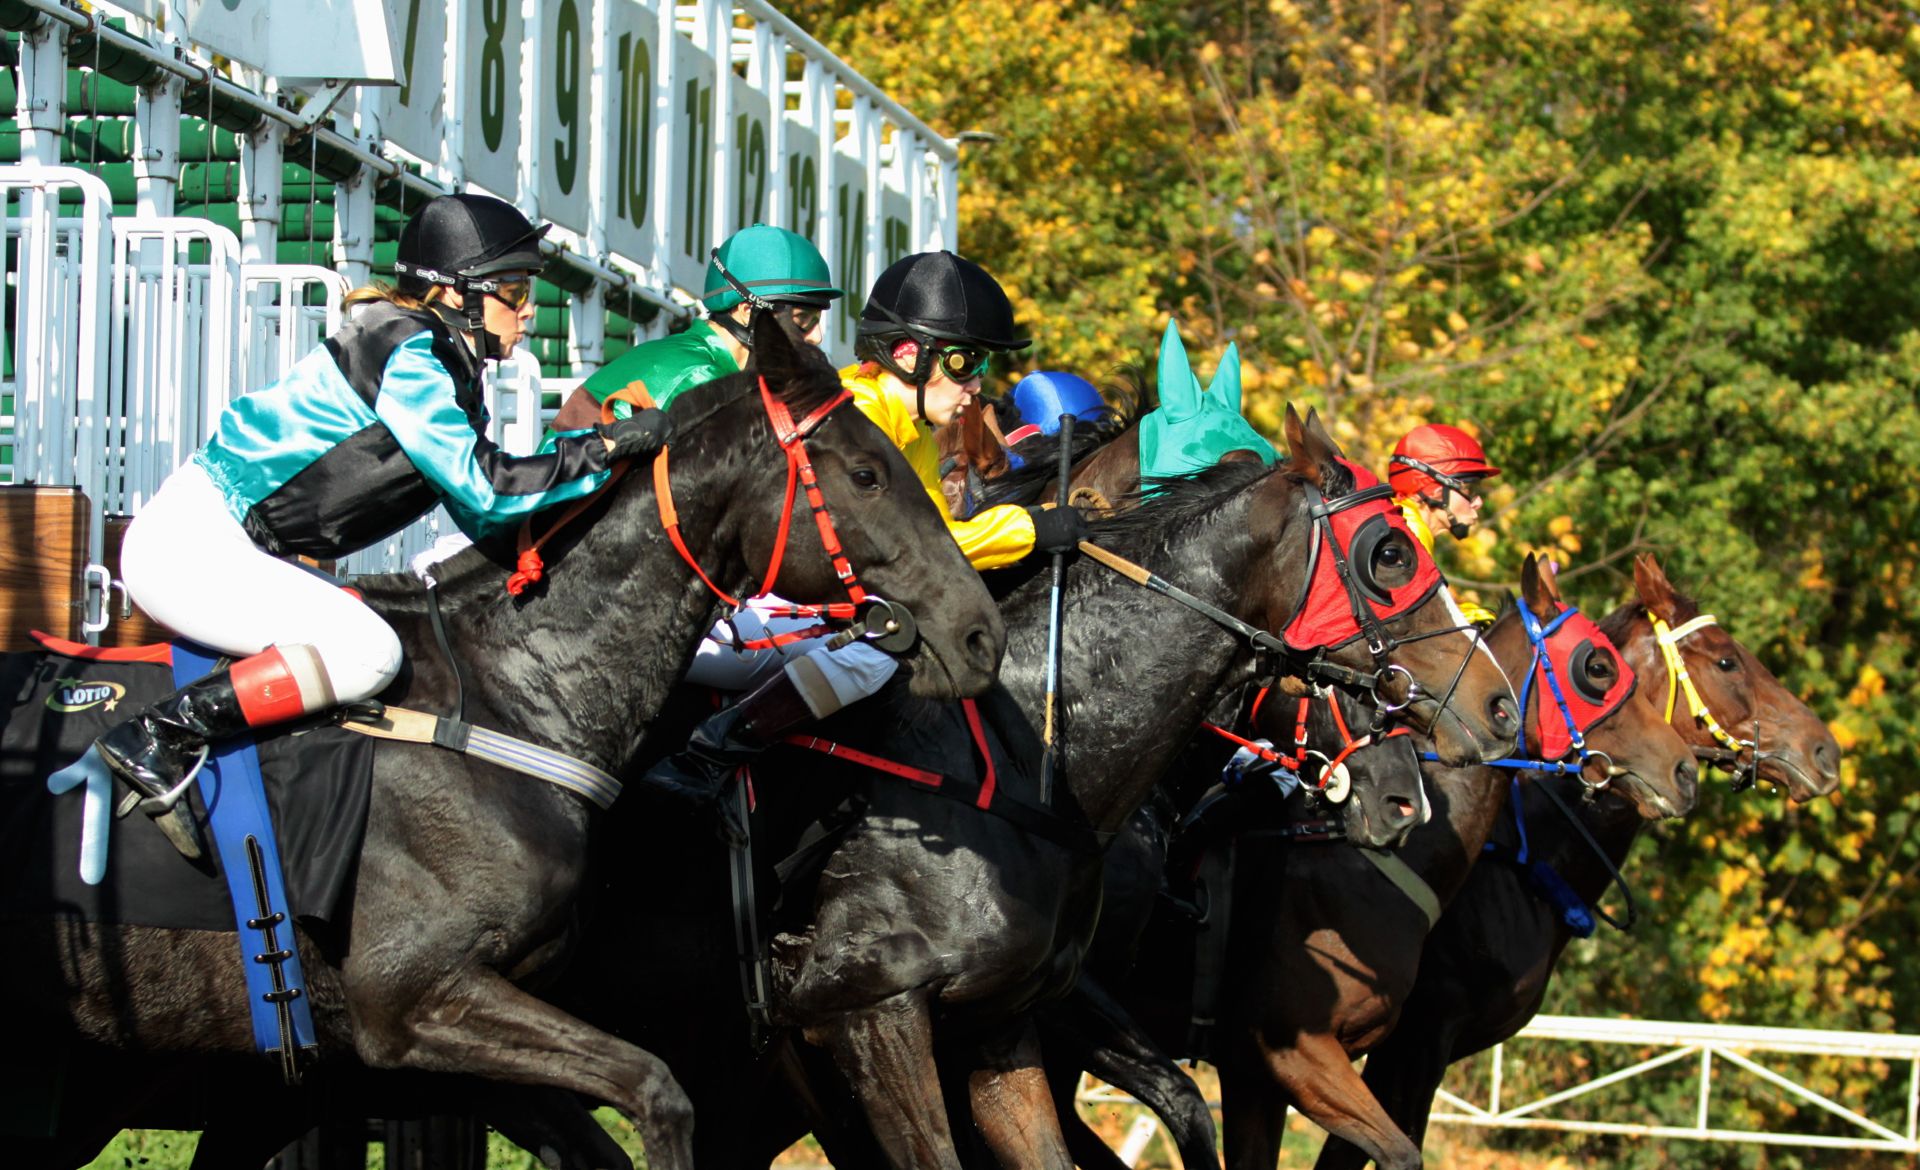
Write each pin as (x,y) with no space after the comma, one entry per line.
(159,748)
(702,775)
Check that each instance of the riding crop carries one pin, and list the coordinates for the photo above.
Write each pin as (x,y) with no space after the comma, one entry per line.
(1050,755)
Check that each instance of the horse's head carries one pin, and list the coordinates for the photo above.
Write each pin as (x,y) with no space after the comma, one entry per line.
(1360,593)
(892,537)
(1760,724)
(1576,690)
(1375,783)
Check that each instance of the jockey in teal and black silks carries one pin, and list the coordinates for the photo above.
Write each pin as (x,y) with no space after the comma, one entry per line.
(359,439)
(1193,428)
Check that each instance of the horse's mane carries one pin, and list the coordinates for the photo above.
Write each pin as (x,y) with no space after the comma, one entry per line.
(1127,403)
(1619,623)
(1165,505)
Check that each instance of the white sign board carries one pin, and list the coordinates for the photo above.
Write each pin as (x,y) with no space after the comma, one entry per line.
(626,133)
(850,214)
(751,163)
(802,180)
(691,231)
(416,114)
(564,133)
(490,107)
(314,40)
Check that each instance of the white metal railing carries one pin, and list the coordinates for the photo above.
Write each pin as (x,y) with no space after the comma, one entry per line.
(1709,1047)
(54,304)
(277,325)
(175,356)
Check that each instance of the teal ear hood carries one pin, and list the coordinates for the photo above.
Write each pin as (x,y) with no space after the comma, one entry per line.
(1193,429)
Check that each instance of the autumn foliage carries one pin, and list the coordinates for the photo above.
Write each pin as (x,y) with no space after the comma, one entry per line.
(1663,257)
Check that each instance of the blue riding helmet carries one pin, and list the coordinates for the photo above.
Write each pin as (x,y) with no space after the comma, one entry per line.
(1042,397)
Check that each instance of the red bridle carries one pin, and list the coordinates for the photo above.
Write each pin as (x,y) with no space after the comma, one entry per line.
(792,438)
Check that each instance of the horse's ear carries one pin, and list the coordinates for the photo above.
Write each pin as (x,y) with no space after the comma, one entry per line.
(1226,380)
(1311,450)
(1656,592)
(1179,389)
(1299,454)
(775,357)
(1317,431)
(1537,587)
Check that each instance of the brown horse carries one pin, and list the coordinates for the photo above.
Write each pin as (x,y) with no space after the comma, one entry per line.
(1485,968)
(1320,954)
(1331,950)
(470,875)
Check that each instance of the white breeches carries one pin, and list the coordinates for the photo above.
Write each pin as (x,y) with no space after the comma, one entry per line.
(827,679)
(191,566)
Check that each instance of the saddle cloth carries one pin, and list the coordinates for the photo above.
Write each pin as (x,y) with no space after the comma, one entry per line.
(54,705)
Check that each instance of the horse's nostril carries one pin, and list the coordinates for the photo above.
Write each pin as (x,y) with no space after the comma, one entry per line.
(1686,776)
(1504,713)
(1826,757)
(983,650)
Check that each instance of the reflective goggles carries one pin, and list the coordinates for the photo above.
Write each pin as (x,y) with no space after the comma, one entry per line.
(962,363)
(514,294)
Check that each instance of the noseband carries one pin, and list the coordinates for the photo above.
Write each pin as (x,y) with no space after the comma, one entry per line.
(1731,750)
(1317,625)
(1545,638)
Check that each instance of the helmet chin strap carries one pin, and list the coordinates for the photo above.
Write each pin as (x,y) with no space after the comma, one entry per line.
(473,305)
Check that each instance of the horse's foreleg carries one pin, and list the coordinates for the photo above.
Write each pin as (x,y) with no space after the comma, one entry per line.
(886,1053)
(1012,1104)
(484,1026)
(1403,1074)
(1119,1051)
(552,1126)
(1318,1074)
(1253,1110)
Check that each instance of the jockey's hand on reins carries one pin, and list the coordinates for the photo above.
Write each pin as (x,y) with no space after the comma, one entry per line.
(640,434)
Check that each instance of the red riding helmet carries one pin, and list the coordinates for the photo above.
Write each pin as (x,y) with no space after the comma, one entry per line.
(1435,457)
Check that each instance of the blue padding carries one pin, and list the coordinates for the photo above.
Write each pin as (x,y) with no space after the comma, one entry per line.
(236,801)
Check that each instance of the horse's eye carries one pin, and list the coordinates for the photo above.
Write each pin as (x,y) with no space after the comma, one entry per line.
(1728,664)
(866,478)
(1600,666)
(1391,556)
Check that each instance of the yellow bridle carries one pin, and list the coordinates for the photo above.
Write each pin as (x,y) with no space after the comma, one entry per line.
(1679,680)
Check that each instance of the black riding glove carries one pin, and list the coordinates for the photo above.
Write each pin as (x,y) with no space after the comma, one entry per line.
(640,435)
(1057,530)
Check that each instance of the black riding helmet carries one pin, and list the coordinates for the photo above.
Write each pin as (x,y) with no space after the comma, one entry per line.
(929,297)
(463,242)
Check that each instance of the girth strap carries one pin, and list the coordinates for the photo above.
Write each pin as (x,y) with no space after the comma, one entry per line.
(1410,883)
(983,793)
(518,755)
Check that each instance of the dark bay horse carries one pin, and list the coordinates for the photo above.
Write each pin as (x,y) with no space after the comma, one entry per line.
(928,908)
(469,877)
(1321,946)
(1325,950)
(1486,966)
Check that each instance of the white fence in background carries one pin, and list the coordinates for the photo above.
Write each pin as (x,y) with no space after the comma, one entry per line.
(1709,1049)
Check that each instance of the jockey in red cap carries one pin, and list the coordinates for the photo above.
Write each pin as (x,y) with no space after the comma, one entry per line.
(1436,471)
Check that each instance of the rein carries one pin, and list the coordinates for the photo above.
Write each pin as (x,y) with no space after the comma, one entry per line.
(1731,749)
(1537,634)
(889,626)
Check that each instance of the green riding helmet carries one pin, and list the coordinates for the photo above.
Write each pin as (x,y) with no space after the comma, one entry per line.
(771,264)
